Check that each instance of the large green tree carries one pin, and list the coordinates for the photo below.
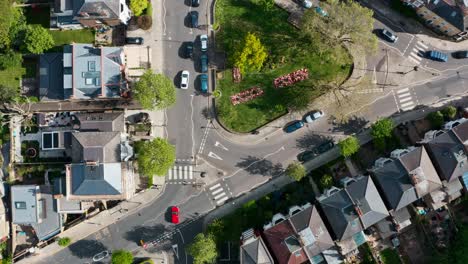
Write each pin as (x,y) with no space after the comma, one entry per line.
(347,22)
(138,6)
(252,55)
(349,146)
(383,128)
(296,171)
(155,157)
(122,257)
(154,91)
(37,39)
(10,18)
(203,249)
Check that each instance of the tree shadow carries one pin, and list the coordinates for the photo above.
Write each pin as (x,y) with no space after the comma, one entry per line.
(86,248)
(145,233)
(254,165)
(353,125)
(207,113)
(310,140)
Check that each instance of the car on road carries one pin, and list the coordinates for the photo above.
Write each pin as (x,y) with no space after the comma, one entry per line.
(324,147)
(195,3)
(204,42)
(293,126)
(100,256)
(189,50)
(184,80)
(194,19)
(306,156)
(313,116)
(462,54)
(389,36)
(134,40)
(437,56)
(305,3)
(321,11)
(175,214)
(204,63)
(204,83)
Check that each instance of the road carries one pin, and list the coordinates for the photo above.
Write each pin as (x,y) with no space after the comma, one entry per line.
(245,166)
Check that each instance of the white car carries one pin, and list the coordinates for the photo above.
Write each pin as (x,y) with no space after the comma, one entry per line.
(312,116)
(184,80)
(204,42)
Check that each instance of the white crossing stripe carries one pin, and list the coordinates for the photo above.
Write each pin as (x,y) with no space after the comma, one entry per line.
(407,104)
(404,95)
(215,186)
(405,99)
(220,195)
(415,61)
(222,200)
(217,191)
(191,172)
(422,45)
(185,172)
(403,90)
(407,108)
(169,174)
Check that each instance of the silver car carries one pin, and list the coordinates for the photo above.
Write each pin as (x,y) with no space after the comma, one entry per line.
(313,116)
(204,42)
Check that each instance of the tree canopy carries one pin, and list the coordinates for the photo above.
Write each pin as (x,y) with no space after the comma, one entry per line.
(436,118)
(37,39)
(326,181)
(349,146)
(252,55)
(296,171)
(155,157)
(383,128)
(203,249)
(8,20)
(122,257)
(155,91)
(347,22)
(138,6)
(449,112)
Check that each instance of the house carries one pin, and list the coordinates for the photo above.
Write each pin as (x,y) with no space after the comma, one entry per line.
(82,72)
(65,206)
(447,17)
(253,250)
(76,14)
(302,237)
(34,205)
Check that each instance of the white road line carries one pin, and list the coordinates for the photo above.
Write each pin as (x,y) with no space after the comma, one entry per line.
(191,172)
(405,99)
(176,175)
(402,95)
(215,186)
(220,195)
(415,61)
(408,108)
(185,172)
(406,104)
(403,90)
(169,174)
(222,200)
(217,191)
(422,45)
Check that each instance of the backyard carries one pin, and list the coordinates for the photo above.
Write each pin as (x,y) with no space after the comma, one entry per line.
(287,51)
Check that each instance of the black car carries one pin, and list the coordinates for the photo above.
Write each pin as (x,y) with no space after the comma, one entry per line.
(195,3)
(194,19)
(324,147)
(135,40)
(306,155)
(462,54)
(189,50)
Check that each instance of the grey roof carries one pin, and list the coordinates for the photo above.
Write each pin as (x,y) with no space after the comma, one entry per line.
(96,71)
(340,213)
(421,171)
(63,204)
(461,131)
(51,76)
(70,11)
(103,122)
(453,14)
(366,198)
(312,231)
(96,146)
(24,204)
(52,222)
(96,179)
(254,251)
(401,215)
(396,186)
(448,155)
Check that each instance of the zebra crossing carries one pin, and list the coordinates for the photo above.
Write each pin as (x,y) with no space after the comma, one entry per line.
(218,193)
(415,54)
(179,174)
(405,99)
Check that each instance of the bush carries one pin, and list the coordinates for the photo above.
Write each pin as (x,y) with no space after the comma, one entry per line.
(326,181)
(64,241)
(138,6)
(436,119)
(349,146)
(296,171)
(149,9)
(145,22)
(122,257)
(449,112)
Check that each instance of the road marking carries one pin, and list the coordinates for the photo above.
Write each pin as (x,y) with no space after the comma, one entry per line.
(405,99)
(217,144)
(422,45)
(185,172)
(205,137)
(406,104)
(222,200)
(175,248)
(214,156)
(169,173)
(403,95)
(191,172)
(403,90)
(215,186)
(216,191)
(257,161)
(220,195)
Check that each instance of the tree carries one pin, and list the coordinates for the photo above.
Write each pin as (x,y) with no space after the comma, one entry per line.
(296,171)
(349,146)
(326,181)
(64,241)
(449,112)
(155,91)
(347,23)
(203,249)
(155,157)
(436,119)
(251,56)
(382,129)
(138,6)
(37,39)
(9,19)
(122,257)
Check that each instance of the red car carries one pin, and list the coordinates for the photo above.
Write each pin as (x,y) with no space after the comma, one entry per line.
(175,214)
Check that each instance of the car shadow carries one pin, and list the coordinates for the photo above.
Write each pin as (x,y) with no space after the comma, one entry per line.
(176,79)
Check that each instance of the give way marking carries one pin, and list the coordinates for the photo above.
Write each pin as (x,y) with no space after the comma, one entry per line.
(217,144)
(214,156)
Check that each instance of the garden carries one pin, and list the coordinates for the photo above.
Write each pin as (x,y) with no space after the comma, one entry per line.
(292,71)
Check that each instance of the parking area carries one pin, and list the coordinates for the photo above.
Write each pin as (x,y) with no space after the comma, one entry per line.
(138,59)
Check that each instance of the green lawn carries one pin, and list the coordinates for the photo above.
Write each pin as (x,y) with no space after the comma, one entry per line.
(390,256)
(69,36)
(287,52)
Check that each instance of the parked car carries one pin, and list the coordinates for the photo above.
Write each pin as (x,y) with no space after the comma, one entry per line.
(135,40)
(184,80)
(312,116)
(194,19)
(204,63)
(305,3)
(324,147)
(306,156)
(100,256)
(204,83)
(204,42)
(175,214)
(389,36)
(320,11)
(195,3)
(189,50)
(462,54)
(437,56)
(294,126)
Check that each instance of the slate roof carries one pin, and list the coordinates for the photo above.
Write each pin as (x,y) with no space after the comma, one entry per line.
(340,213)
(367,200)
(63,204)
(96,179)
(51,76)
(24,197)
(396,186)
(96,146)
(103,122)
(69,11)
(254,251)
(450,12)
(448,154)
(284,244)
